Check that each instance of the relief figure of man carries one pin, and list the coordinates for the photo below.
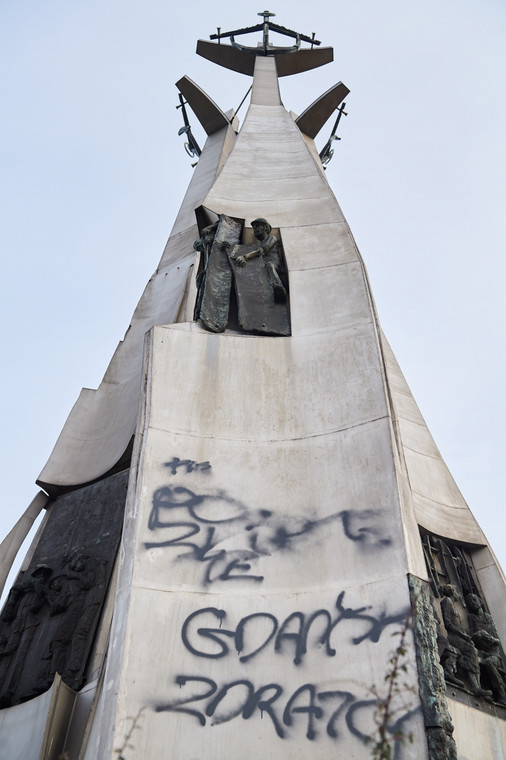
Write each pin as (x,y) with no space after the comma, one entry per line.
(250,271)
(468,661)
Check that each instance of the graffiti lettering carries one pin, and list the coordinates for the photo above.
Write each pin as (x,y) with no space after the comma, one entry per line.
(189,464)
(316,709)
(196,525)
(226,540)
(256,631)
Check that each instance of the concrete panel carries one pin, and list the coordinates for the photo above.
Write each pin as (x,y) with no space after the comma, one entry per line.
(405,404)
(286,189)
(267,488)
(215,702)
(315,154)
(411,533)
(430,478)
(240,539)
(281,213)
(80,718)
(477,735)
(342,302)
(179,243)
(439,506)
(22,728)
(187,305)
(452,522)
(58,720)
(416,437)
(329,492)
(265,89)
(270,389)
(312,247)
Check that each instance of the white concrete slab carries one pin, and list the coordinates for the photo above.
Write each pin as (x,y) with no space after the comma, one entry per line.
(272,173)
(312,247)
(22,728)
(478,736)
(267,389)
(438,503)
(342,302)
(267,488)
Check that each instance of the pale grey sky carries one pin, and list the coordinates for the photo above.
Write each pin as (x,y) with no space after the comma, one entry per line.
(93,173)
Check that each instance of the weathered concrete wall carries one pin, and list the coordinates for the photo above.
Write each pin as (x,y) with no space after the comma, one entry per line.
(22,728)
(439,505)
(478,736)
(257,500)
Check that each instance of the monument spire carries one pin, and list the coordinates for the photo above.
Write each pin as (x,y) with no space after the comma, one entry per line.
(250,506)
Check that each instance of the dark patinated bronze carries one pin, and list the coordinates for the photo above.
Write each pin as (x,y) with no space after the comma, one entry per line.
(191,146)
(459,655)
(261,295)
(217,285)
(486,639)
(265,27)
(470,649)
(250,274)
(50,618)
(327,151)
(431,681)
(203,245)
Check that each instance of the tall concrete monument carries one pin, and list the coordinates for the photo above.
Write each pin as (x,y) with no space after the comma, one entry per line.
(251,545)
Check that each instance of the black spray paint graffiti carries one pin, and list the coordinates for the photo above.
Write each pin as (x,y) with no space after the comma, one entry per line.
(255,632)
(189,465)
(226,538)
(196,525)
(320,711)
(240,698)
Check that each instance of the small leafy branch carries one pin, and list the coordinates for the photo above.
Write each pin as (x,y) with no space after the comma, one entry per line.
(126,742)
(385,739)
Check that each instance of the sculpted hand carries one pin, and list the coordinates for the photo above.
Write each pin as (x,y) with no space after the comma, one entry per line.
(240,261)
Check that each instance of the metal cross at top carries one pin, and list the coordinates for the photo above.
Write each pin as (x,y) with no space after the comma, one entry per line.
(265,27)
(266,15)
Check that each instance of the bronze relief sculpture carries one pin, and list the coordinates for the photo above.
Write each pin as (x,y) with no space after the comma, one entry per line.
(247,278)
(470,650)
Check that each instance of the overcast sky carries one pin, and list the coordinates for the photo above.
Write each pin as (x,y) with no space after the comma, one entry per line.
(93,173)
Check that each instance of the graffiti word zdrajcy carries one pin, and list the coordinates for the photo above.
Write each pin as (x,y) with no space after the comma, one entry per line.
(332,710)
